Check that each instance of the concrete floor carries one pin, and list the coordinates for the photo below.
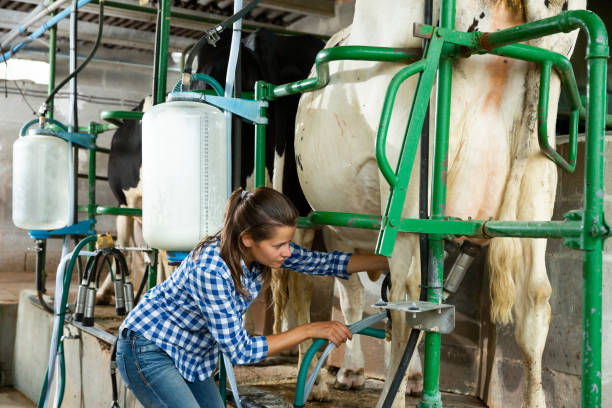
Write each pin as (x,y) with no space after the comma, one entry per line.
(273,386)
(11,398)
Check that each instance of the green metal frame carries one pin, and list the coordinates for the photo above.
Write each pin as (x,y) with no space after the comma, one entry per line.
(582,229)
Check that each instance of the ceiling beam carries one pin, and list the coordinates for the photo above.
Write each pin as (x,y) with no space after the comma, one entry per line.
(197,20)
(126,37)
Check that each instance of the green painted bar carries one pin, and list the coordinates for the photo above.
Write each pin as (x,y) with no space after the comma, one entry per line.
(350,52)
(385,119)
(399,187)
(431,397)
(261,94)
(134,212)
(91,185)
(450,226)
(114,117)
(164,41)
(593,214)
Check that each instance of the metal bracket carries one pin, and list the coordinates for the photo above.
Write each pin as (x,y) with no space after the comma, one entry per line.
(176,257)
(428,316)
(245,108)
(82,139)
(422,30)
(85,227)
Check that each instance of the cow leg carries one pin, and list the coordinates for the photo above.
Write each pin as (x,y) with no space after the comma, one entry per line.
(531,307)
(352,298)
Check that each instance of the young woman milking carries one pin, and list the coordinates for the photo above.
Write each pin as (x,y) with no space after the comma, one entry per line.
(169,344)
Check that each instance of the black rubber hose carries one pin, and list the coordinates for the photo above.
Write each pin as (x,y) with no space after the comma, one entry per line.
(41,249)
(423,240)
(93,51)
(145,278)
(204,39)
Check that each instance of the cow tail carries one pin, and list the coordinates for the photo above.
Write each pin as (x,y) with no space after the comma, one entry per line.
(504,253)
(278,284)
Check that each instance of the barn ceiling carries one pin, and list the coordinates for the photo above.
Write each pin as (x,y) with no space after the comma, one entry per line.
(135,28)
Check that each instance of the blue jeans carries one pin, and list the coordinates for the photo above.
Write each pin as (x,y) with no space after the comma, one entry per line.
(154,379)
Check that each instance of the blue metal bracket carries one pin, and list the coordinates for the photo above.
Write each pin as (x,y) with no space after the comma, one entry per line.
(245,108)
(176,257)
(85,227)
(82,139)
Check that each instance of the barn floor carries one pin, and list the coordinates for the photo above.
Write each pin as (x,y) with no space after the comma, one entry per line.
(273,386)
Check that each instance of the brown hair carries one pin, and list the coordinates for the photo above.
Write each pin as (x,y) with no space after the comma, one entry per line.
(257,213)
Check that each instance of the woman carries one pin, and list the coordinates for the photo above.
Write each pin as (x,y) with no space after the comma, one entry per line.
(168,345)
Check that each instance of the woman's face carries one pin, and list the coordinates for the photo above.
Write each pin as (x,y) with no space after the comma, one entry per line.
(273,251)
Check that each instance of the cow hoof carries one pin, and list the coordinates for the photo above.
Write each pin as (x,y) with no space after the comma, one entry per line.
(103,299)
(414,387)
(319,392)
(350,379)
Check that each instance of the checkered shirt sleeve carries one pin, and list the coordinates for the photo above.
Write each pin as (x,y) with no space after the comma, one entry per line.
(317,263)
(213,291)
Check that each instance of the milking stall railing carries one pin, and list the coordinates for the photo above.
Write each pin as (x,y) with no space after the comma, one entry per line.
(582,229)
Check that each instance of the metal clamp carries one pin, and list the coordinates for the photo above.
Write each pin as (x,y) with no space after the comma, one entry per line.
(428,316)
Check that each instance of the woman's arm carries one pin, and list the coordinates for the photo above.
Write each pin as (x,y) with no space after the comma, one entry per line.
(360,262)
(333,331)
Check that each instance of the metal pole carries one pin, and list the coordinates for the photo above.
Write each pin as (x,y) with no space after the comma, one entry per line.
(52,59)
(261,93)
(162,58)
(593,214)
(431,383)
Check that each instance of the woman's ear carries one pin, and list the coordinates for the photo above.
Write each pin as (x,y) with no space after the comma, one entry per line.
(246,239)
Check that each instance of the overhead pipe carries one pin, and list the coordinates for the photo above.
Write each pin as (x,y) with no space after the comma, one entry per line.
(43,9)
(230,79)
(51,23)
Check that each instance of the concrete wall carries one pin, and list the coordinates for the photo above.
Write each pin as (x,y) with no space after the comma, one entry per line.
(87,360)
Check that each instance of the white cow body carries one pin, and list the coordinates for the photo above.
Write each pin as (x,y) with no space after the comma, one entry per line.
(495,168)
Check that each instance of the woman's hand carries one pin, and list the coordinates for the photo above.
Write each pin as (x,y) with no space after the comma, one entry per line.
(333,331)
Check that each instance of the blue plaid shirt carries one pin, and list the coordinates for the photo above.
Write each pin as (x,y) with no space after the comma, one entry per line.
(198,312)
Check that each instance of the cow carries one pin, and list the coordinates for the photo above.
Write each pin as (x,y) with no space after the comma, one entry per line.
(495,167)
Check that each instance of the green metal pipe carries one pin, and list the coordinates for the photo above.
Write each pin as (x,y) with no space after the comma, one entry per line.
(350,52)
(91,183)
(593,220)
(102,210)
(164,40)
(153,270)
(431,382)
(261,94)
(114,117)
(450,226)
(564,22)
(385,119)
